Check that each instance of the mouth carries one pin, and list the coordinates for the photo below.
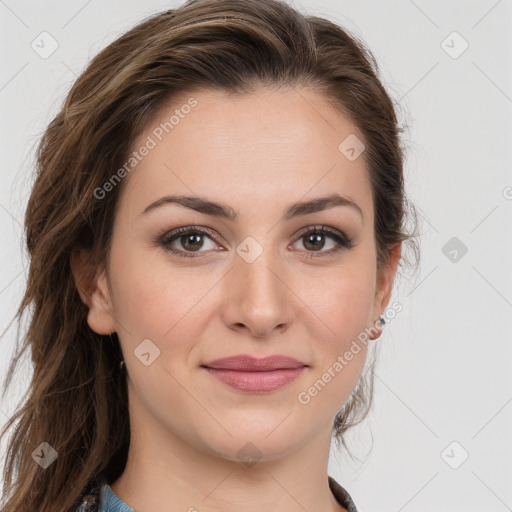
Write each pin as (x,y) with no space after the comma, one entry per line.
(250,374)
(250,363)
(257,381)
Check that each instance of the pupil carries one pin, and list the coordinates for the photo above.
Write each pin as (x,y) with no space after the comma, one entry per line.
(191,240)
(314,238)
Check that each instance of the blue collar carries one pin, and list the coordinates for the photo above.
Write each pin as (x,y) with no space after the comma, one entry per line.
(110,502)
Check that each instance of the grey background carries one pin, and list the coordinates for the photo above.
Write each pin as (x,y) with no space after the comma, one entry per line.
(444,370)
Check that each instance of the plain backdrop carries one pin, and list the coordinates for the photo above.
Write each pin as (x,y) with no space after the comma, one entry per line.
(439,436)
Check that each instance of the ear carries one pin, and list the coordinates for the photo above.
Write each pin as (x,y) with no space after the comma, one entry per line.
(385,278)
(93,289)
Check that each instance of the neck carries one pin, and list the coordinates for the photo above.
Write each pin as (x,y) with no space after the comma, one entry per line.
(163,467)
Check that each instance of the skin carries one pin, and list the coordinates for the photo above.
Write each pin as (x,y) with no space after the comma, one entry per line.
(256,153)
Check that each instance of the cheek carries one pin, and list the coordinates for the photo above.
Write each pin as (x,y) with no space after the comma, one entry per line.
(340,354)
(142,298)
(155,300)
(351,303)
(345,306)
(344,297)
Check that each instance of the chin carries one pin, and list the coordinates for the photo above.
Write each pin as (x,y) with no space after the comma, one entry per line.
(253,445)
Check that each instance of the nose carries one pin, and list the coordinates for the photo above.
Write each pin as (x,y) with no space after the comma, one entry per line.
(257,298)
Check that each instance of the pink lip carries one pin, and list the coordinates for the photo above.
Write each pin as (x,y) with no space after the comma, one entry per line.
(253,364)
(248,373)
(260,381)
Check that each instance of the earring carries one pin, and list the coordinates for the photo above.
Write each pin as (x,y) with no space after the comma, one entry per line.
(121,364)
(382,322)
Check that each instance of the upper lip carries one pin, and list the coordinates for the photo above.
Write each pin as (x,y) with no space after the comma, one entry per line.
(254,364)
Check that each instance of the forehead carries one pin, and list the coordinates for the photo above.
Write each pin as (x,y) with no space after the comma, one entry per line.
(267,146)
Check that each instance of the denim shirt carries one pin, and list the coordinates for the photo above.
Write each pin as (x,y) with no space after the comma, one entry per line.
(110,502)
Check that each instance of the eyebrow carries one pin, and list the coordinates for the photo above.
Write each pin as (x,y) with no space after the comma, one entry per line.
(216,209)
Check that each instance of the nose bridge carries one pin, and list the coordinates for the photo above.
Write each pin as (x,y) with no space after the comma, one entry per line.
(258,275)
(260,300)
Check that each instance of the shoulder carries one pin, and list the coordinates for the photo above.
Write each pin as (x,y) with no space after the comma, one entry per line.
(341,495)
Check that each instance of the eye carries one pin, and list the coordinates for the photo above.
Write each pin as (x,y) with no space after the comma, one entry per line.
(189,240)
(186,241)
(312,240)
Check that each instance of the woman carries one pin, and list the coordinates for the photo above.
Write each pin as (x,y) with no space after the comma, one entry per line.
(214,233)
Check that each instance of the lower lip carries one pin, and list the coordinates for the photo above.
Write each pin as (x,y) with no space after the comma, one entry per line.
(256,381)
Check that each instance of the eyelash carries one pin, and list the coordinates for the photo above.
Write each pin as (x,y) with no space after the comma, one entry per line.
(342,241)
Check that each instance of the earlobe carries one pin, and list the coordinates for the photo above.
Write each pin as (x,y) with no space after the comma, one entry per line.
(93,289)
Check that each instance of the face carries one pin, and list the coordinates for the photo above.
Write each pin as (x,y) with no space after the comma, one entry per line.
(254,275)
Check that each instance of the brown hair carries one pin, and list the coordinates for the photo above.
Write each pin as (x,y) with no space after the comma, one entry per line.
(77,398)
